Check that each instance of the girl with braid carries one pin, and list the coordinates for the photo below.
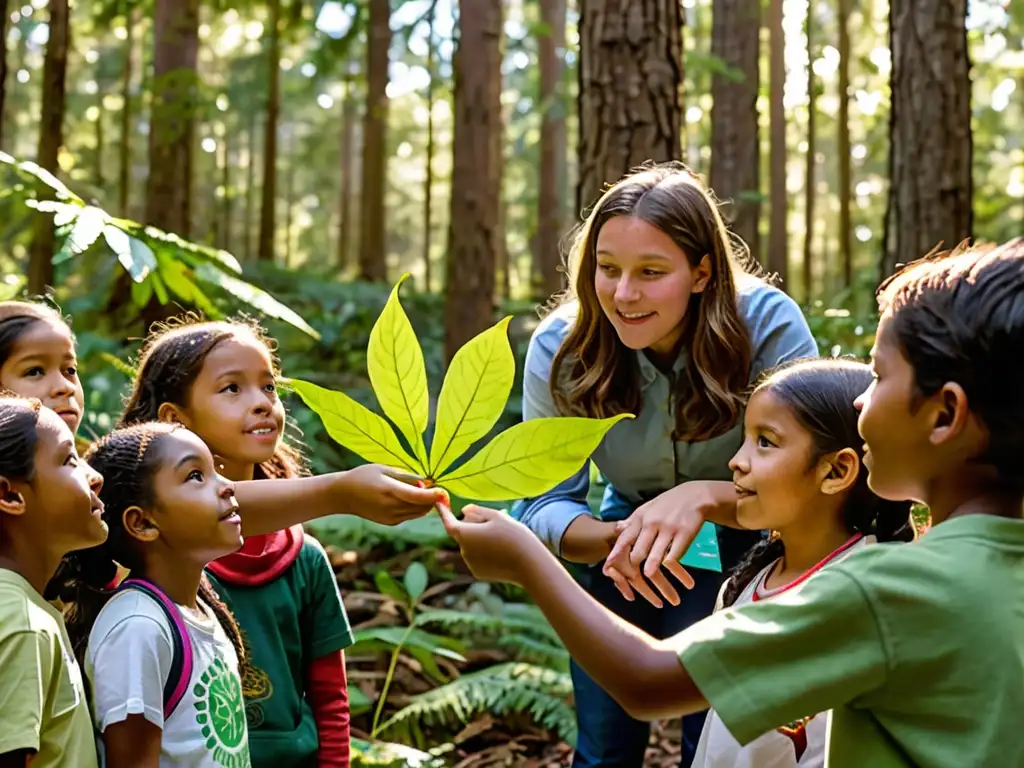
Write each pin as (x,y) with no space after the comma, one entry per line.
(169,514)
(218,379)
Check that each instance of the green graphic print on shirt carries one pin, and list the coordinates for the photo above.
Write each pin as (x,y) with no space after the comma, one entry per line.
(220,713)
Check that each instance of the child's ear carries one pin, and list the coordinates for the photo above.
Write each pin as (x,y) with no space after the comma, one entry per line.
(951,413)
(172,414)
(140,525)
(701,275)
(841,473)
(11,500)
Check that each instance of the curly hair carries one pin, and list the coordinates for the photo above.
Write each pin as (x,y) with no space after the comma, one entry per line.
(171,359)
(820,394)
(129,459)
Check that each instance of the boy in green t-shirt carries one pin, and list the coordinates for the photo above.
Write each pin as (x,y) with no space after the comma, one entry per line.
(917,648)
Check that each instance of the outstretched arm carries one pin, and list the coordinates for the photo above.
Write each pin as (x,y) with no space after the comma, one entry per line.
(371,491)
(642,674)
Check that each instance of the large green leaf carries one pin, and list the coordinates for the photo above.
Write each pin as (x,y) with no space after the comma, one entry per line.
(416,579)
(529,459)
(253,296)
(134,255)
(473,395)
(398,374)
(355,427)
(89,225)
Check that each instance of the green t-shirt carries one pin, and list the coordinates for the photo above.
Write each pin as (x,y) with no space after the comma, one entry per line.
(917,648)
(287,623)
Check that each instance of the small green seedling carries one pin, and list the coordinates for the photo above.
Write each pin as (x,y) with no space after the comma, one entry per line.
(525,460)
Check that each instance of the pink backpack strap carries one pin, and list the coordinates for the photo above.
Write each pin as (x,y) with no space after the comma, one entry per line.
(182,660)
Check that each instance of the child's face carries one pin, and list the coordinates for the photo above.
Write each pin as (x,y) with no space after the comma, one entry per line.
(66,487)
(777,479)
(896,434)
(43,365)
(195,510)
(234,407)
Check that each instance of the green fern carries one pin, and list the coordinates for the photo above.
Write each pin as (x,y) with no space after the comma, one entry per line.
(512,617)
(504,689)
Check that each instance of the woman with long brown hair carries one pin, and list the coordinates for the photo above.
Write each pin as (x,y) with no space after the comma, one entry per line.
(665,319)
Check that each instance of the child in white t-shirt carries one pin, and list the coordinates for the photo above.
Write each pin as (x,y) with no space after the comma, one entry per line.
(163,652)
(799,474)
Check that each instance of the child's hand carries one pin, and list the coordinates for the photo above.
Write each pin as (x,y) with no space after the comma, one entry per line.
(494,546)
(385,496)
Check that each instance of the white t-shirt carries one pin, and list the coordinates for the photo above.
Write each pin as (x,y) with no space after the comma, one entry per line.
(797,745)
(128,661)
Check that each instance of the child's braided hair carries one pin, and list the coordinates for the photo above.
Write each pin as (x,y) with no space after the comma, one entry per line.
(171,360)
(128,458)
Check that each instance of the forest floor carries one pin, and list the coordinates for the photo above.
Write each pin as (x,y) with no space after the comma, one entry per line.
(482,740)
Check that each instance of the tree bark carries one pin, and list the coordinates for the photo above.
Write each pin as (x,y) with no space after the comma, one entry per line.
(348,117)
(124,184)
(553,150)
(51,136)
(5,21)
(428,183)
(250,183)
(630,72)
(843,147)
(931,191)
(778,240)
(268,203)
(372,239)
(175,95)
(810,177)
(474,225)
(735,170)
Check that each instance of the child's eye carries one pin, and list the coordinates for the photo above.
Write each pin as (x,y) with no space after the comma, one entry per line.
(764,442)
(271,387)
(606,268)
(196,475)
(71,460)
(232,388)
(35,370)
(652,273)
(72,371)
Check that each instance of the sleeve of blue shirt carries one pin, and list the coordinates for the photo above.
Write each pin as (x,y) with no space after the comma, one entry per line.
(550,514)
(778,330)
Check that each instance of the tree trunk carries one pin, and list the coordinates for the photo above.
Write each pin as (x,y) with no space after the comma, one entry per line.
(124,183)
(268,203)
(630,73)
(372,240)
(812,161)
(51,136)
(778,240)
(843,147)
(348,118)
(227,201)
(473,230)
(553,148)
(100,142)
(250,183)
(175,95)
(5,20)
(735,170)
(428,183)
(931,191)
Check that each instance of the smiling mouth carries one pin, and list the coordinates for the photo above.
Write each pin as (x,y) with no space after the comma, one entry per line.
(634,317)
(263,431)
(743,493)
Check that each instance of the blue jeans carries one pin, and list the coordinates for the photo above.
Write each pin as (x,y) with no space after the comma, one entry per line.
(607,736)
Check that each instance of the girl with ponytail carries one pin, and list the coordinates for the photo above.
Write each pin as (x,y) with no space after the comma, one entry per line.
(799,474)
(161,651)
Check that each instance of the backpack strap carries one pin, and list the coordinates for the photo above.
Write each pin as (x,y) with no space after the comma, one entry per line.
(181,662)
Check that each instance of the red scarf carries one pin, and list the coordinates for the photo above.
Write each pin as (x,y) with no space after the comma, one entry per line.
(261,559)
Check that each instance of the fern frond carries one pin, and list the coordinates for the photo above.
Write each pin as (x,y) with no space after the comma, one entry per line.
(504,689)
(511,618)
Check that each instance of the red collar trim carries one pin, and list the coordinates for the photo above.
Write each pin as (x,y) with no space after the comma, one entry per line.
(825,561)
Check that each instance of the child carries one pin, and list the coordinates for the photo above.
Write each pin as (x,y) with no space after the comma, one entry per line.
(218,379)
(798,474)
(48,507)
(37,359)
(918,649)
(169,513)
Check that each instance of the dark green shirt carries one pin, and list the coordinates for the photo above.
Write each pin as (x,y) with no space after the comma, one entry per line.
(287,624)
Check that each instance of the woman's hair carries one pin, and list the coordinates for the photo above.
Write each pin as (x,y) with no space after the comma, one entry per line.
(169,363)
(820,394)
(17,317)
(958,316)
(129,459)
(19,417)
(594,374)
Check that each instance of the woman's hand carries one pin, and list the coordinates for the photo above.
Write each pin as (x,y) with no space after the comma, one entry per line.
(386,496)
(659,532)
(494,546)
